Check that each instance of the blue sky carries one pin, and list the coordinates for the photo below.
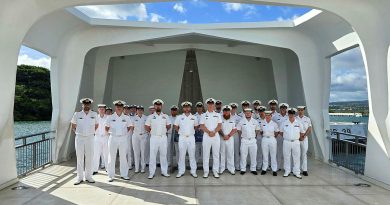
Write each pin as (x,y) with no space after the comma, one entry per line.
(348,74)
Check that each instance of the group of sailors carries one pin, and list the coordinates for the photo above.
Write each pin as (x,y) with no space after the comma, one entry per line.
(271,140)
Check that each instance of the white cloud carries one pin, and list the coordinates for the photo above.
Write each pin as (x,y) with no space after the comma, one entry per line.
(184,21)
(287,19)
(121,11)
(179,8)
(27,60)
(155,17)
(235,7)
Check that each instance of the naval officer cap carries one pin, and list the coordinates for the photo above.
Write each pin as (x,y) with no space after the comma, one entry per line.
(139,107)
(226,108)
(86,100)
(126,106)
(151,107)
(109,109)
(245,102)
(199,104)
(283,105)
(102,106)
(291,110)
(301,107)
(158,102)
(268,112)
(210,100)
(218,102)
(174,107)
(261,108)
(248,110)
(273,101)
(133,106)
(186,104)
(233,105)
(119,103)
(258,102)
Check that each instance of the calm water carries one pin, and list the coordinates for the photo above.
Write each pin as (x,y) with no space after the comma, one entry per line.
(30,127)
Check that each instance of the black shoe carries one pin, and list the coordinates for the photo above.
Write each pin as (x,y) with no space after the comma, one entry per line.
(90,181)
(94,173)
(254,172)
(305,173)
(275,174)
(263,172)
(242,172)
(77,183)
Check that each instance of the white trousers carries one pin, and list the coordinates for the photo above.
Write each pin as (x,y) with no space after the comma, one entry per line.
(211,144)
(147,149)
(304,148)
(100,152)
(237,146)
(279,151)
(139,145)
(293,148)
(116,143)
(130,150)
(269,146)
(259,156)
(227,154)
(158,144)
(84,148)
(187,144)
(169,149)
(176,147)
(198,151)
(248,146)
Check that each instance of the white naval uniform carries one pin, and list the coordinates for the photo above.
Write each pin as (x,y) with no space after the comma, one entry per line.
(291,145)
(175,145)
(237,142)
(186,142)
(119,135)
(84,143)
(198,145)
(101,144)
(139,142)
(259,138)
(248,130)
(269,144)
(279,119)
(158,141)
(211,120)
(227,146)
(130,152)
(306,122)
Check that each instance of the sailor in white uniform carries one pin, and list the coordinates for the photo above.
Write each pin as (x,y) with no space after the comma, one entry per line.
(101,140)
(292,131)
(118,125)
(306,122)
(273,104)
(269,130)
(218,107)
(260,109)
(84,124)
(280,118)
(175,145)
(227,141)
(211,123)
(198,132)
(237,140)
(244,104)
(248,128)
(139,139)
(108,111)
(256,104)
(157,124)
(185,125)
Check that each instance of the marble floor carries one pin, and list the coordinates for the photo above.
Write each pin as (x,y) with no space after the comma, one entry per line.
(324,185)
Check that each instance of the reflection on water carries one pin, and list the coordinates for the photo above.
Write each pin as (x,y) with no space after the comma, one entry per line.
(23,128)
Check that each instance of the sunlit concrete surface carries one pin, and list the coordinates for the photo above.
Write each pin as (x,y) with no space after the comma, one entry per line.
(324,185)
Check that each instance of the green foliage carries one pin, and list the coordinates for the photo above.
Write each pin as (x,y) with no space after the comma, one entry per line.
(32,94)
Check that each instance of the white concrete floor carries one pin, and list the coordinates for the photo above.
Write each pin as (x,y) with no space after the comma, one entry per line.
(324,185)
